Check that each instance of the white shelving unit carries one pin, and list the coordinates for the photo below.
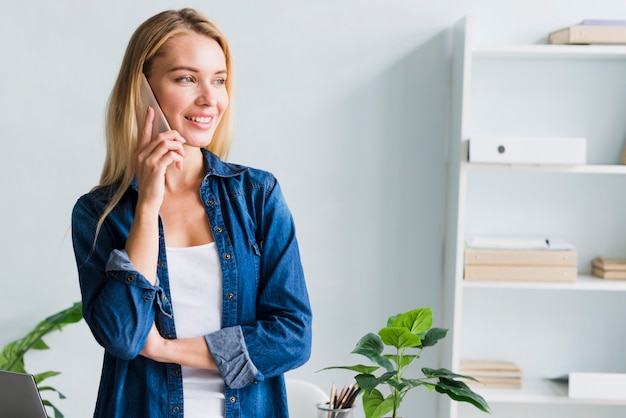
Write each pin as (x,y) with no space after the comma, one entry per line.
(548,328)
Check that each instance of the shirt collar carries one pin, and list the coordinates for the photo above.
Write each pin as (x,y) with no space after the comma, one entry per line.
(213,166)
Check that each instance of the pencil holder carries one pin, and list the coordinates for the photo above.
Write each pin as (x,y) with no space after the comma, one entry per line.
(323,411)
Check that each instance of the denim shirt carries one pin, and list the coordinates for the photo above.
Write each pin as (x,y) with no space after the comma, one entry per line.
(266,319)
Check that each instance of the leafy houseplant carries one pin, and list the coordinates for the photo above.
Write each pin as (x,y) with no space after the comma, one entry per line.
(12,355)
(412,331)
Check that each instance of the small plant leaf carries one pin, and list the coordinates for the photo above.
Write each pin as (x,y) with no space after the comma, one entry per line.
(359,368)
(399,337)
(460,392)
(371,346)
(368,382)
(445,373)
(417,321)
(39,377)
(39,344)
(375,405)
(433,336)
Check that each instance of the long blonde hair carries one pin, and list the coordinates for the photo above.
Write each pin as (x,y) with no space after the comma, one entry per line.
(123,116)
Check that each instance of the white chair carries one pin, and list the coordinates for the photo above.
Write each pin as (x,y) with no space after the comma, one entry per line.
(302,396)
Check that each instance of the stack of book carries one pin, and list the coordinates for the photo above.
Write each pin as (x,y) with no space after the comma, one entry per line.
(608,268)
(528,259)
(490,373)
(591,31)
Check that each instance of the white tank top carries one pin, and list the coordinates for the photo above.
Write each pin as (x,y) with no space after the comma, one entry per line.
(196,288)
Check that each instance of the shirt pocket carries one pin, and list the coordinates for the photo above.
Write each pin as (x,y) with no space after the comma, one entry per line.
(256,257)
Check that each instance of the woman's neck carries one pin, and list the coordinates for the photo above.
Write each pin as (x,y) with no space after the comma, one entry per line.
(191,172)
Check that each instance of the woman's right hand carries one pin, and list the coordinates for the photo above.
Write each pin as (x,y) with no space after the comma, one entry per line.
(152,160)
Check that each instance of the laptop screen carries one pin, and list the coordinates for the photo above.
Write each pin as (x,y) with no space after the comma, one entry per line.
(19,397)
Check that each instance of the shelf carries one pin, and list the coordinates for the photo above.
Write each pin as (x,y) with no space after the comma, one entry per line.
(583,282)
(584,169)
(592,52)
(540,391)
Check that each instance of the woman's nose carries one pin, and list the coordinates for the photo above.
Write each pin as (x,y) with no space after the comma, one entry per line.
(206,95)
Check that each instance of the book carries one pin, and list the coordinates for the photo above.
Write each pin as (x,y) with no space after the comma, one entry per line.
(613,264)
(609,274)
(490,368)
(520,257)
(551,273)
(497,374)
(589,34)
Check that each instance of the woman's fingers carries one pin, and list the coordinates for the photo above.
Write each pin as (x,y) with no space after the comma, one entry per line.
(161,153)
(147,127)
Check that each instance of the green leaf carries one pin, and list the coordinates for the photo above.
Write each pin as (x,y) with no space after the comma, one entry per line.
(417,321)
(375,405)
(359,368)
(39,377)
(399,337)
(433,336)
(39,344)
(371,346)
(368,382)
(460,392)
(445,373)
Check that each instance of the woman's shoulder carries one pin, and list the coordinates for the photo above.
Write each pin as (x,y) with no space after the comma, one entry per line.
(97,198)
(234,173)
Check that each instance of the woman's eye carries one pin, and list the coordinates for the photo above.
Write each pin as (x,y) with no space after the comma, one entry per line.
(186,79)
(219,81)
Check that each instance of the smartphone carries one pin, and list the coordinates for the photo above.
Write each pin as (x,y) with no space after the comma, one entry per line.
(147,99)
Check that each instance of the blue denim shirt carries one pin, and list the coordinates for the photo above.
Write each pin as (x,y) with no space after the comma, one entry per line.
(266,320)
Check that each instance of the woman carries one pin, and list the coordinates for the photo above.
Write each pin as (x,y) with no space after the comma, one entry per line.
(189,268)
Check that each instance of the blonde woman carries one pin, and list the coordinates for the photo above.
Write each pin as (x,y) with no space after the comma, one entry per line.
(189,267)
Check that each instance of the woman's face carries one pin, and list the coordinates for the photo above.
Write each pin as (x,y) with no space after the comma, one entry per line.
(189,82)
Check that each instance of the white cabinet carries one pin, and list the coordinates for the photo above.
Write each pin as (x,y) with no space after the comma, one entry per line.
(548,329)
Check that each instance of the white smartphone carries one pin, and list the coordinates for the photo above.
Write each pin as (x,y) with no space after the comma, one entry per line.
(147,99)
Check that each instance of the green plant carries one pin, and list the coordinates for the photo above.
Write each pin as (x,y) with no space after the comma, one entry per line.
(413,331)
(12,355)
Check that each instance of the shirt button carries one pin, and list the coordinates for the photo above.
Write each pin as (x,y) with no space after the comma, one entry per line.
(233,399)
(230,296)
(175,372)
(130,278)
(175,409)
(164,298)
(210,201)
(218,229)
(160,265)
(227,256)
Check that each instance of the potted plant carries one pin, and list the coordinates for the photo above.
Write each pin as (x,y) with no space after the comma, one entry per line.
(12,355)
(408,334)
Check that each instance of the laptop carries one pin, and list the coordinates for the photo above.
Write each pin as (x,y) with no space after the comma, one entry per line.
(19,396)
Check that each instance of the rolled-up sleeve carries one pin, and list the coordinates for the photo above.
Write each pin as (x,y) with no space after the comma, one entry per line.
(119,304)
(228,348)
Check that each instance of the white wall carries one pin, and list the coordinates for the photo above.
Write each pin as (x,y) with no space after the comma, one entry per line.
(345,101)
